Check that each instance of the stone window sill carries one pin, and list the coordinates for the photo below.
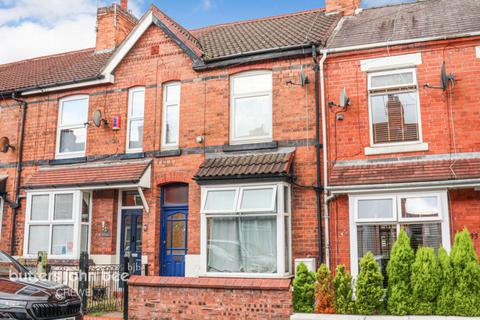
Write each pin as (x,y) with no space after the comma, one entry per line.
(369,151)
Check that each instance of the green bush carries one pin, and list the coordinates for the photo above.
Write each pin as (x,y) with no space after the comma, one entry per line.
(369,287)
(426,281)
(399,292)
(445,297)
(304,290)
(466,275)
(343,301)
(324,290)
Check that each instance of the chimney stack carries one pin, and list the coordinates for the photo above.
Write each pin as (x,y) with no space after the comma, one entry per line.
(114,24)
(347,7)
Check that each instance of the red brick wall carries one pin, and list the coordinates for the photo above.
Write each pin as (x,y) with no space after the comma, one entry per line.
(113,26)
(465,213)
(104,209)
(204,298)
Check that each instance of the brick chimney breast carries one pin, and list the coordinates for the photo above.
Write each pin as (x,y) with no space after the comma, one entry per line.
(347,7)
(114,24)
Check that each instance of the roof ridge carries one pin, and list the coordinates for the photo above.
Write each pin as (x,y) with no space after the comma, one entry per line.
(279,16)
(53,55)
(397,4)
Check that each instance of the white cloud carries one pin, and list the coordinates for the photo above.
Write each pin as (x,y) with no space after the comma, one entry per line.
(32,28)
(207,4)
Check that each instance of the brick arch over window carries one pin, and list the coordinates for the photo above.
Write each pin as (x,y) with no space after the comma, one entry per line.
(173,177)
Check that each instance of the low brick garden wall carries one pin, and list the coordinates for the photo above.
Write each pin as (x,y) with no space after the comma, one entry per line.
(209,298)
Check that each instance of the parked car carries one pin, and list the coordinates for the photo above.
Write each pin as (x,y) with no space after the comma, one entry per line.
(26,297)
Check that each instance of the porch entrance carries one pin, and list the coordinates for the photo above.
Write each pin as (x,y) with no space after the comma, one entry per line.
(131,238)
(174,226)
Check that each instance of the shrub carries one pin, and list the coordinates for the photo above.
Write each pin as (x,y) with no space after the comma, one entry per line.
(399,292)
(466,275)
(342,283)
(304,290)
(369,286)
(445,297)
(426,281)
(324,290)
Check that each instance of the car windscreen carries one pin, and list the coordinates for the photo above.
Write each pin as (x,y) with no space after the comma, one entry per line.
(9,267)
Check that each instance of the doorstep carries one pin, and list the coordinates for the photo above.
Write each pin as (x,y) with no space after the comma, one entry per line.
(313,316)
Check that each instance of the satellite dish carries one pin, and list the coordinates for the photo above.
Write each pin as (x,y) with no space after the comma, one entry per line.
(444,77)
(5,145)
(98,119)
(344,99)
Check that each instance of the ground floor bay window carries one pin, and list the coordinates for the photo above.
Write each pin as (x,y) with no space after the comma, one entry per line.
(376,219)
(246,230)
(57,223)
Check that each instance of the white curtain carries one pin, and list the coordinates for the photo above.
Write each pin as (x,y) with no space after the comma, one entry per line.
(242,244)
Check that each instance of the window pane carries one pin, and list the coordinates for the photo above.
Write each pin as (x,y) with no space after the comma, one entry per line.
(260,199)
(38,239)
(424,235)
(253,117)
(84,239)
(287,244)
(131,199)
(63,207)
(62,240)
(242,244)
(136,134)
(85,206)
(252,84)
(72,140)
(389,80)
(172,94)
(171,129)
(138,102)
(40,207)
(74,112)
(375,209)
(175,195)
(220,200)
(395,117)
(378,240)
(421,207)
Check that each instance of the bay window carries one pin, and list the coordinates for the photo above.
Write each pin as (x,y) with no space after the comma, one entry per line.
(251,107)
(57,223)
(136,106)
(394,107)
(376,220)
(246,230)
(72,130)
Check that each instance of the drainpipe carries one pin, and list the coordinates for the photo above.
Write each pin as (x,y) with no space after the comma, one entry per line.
(16,205)
(325,159)
(318,146)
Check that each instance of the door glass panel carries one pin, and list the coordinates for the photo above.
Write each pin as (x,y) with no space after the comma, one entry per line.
(127,236)
(175,195)
(138,235)
(178,237)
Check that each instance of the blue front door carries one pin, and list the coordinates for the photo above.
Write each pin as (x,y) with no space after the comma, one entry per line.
(173,246)
(131,239)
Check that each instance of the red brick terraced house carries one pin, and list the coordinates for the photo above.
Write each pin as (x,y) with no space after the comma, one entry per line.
(202,154)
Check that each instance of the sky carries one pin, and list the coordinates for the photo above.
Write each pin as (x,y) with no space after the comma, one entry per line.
(32,28)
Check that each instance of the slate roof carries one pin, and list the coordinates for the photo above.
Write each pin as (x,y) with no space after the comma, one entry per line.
(51,70)
(421,19)
(246,166)
(418,171)
(88,175)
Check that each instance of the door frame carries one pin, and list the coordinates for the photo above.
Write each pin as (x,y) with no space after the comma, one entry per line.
(131,212)
(163,210)
(118,256)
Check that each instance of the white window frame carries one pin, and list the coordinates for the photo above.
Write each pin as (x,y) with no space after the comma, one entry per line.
(391,90)
(131,118)
(281,213)
(443,218)
(89,224)
(60,127)
(75,222)
(165,145)
(267,138)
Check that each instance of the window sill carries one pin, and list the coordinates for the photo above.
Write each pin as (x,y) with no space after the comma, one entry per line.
(167,153)
(60,161)
(396,149)
(250,146)
(132,155)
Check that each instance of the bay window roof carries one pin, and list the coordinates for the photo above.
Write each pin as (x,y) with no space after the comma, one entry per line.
(266,165)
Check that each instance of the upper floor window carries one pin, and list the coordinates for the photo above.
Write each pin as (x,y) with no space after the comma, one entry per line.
(171,115)
(136,105)
(394,107)
(72,131)
(251,107)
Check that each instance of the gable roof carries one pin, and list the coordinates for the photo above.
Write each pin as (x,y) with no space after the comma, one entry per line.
(417,20)
(56,69)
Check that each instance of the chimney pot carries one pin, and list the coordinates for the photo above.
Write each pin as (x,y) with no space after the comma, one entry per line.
(124,4)
(347,7)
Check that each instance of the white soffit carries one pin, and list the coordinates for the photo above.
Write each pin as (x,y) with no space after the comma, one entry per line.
(391,62)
